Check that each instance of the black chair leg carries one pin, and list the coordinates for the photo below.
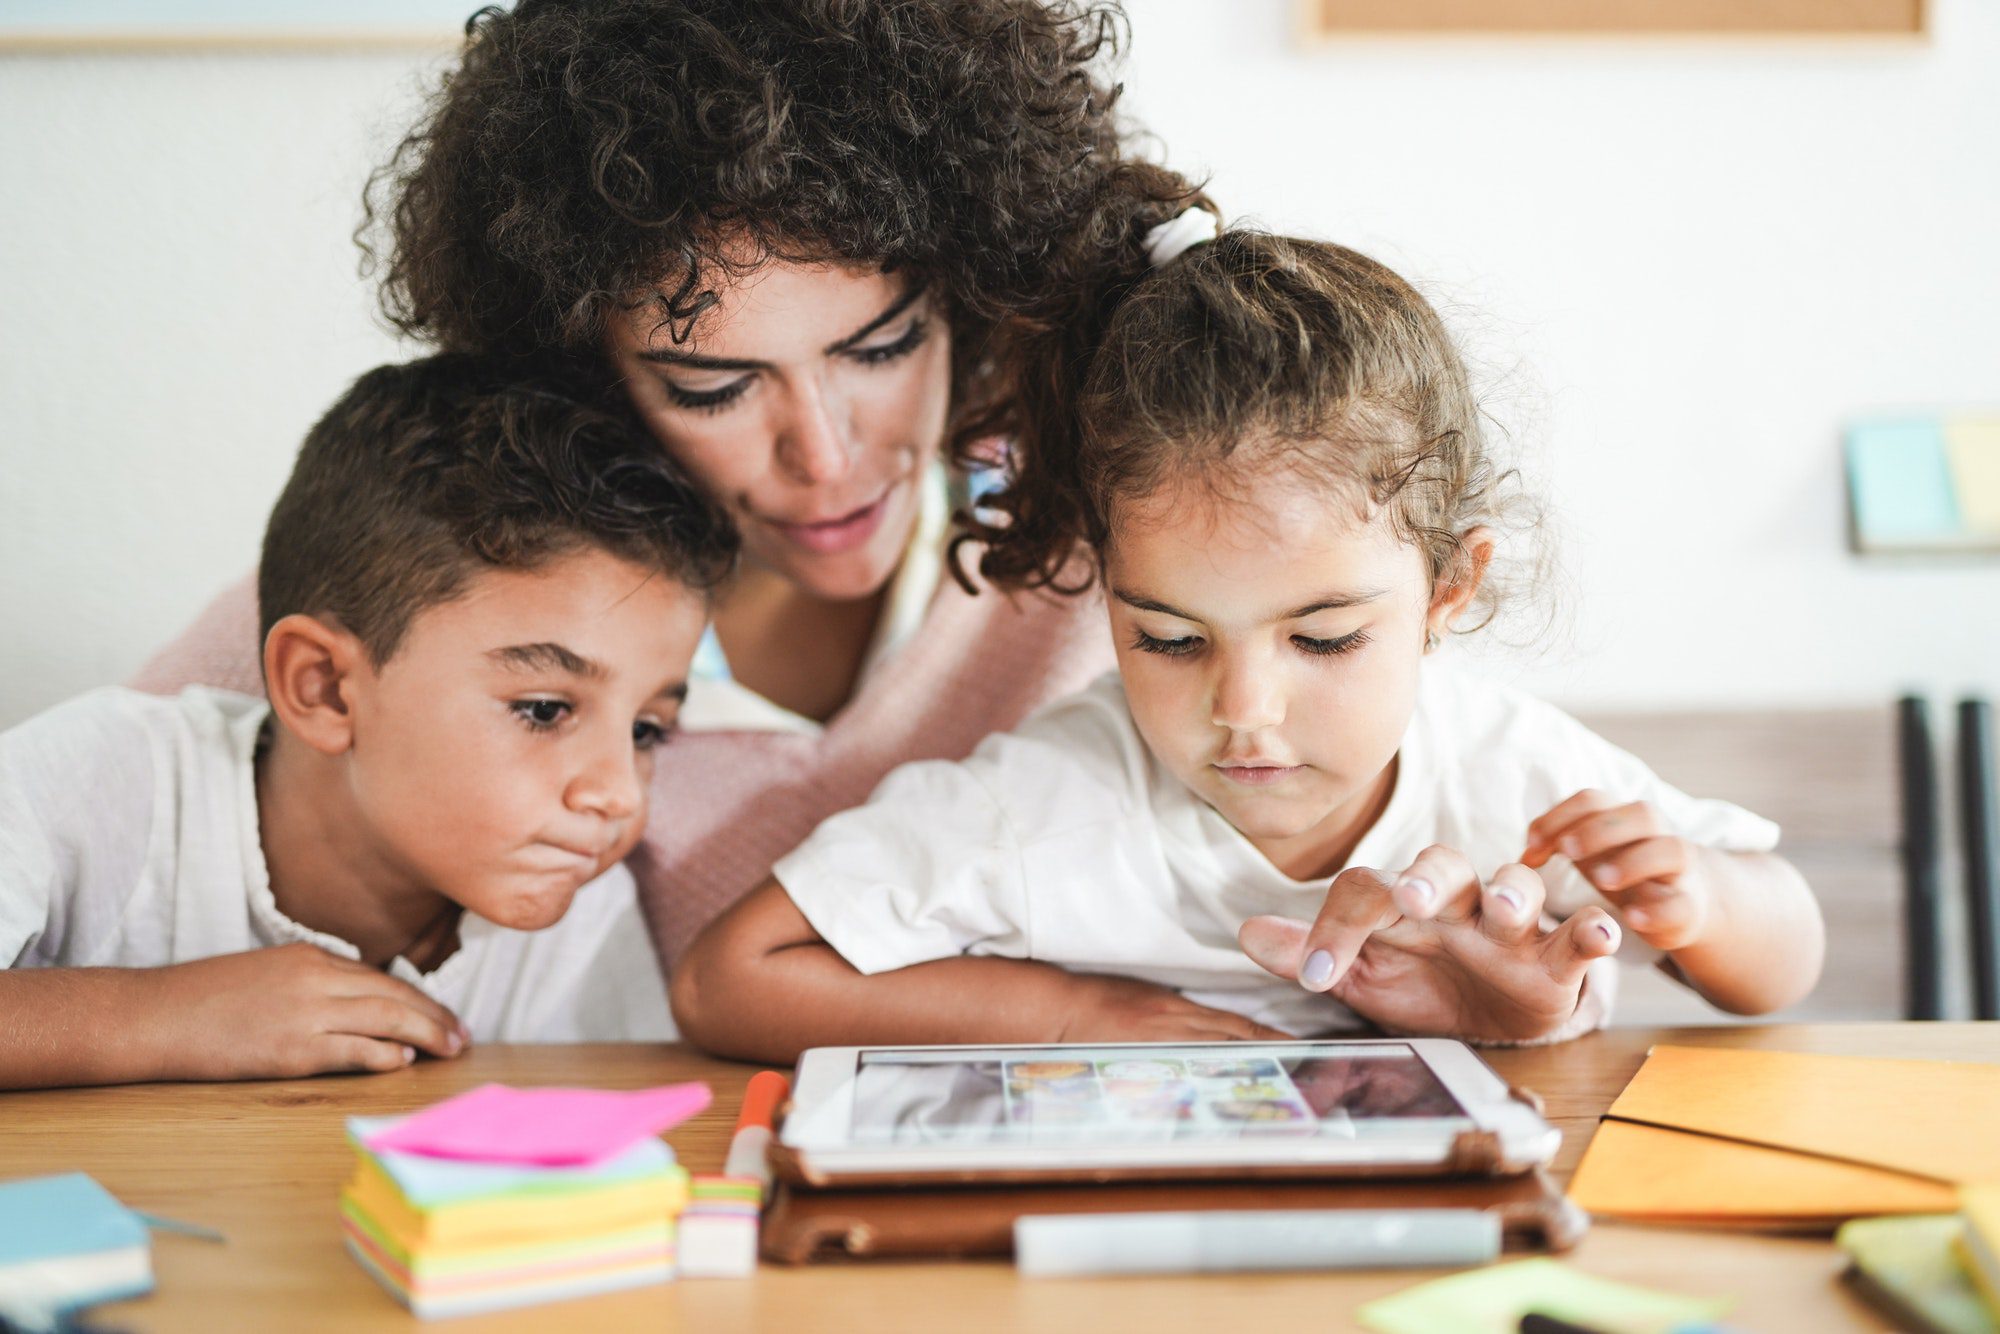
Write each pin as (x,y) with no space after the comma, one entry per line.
(1978,814)
(1917,768)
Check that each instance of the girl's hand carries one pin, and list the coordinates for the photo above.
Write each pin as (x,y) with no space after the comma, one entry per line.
(1124,1009)
(1440,952)
(1662,884)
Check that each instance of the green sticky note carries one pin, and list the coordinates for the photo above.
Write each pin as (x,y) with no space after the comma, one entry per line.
(1494,1299)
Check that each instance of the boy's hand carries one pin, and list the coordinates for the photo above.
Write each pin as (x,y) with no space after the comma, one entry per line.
(294,1010)
(1434,951)
(1124,1009)
(1661,883)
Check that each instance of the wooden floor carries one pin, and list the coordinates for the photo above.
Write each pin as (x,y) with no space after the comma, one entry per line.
(1829,779)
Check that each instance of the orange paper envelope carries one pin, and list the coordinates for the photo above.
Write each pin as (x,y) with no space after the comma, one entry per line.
(1790,1139)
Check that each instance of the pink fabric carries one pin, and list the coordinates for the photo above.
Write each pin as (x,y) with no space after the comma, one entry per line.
(727,805)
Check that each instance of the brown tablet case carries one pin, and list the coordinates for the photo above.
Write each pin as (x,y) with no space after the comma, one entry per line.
(807,1224)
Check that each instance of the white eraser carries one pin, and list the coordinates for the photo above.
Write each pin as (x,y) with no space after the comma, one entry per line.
(718,1245)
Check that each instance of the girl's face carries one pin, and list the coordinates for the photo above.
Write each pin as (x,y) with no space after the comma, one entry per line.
(1269,642)
(810,401)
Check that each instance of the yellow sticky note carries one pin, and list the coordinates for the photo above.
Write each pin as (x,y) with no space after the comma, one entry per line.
(1972,450)
(1493,1300)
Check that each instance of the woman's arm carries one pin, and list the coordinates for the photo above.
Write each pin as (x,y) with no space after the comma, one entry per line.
(760,984)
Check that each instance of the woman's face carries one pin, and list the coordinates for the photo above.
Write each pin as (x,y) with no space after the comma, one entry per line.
(810,401)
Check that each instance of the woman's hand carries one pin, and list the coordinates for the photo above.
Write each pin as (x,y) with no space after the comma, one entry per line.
(1434,951)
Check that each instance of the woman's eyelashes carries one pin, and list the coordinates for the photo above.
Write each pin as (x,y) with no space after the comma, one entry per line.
(721,396)
(1186,644)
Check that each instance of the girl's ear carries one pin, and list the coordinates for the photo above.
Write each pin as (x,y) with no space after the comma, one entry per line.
(1459,584)
(309,669)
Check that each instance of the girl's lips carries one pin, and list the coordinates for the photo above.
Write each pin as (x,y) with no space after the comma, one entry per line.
(1257,775)
(836,535)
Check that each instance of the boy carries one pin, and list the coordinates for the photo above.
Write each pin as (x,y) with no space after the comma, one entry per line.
(479,600)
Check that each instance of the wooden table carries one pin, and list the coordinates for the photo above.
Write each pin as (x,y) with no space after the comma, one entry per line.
(264,1163)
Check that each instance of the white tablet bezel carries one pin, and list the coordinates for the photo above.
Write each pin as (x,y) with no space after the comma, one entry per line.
(819,1130)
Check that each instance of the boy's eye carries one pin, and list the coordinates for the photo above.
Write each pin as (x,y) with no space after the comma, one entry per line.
(1344,644)
(910,340)
(650,735)
(1172,648)
(540,714)
(706,400)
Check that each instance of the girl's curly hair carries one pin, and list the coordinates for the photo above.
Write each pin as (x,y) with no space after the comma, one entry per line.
(587,158)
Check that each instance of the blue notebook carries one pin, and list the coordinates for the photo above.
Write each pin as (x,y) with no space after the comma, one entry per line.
(65,1242)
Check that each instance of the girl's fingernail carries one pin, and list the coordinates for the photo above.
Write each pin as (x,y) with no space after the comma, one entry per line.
(409,1055)
(1569,847)
(1604,876)
(1420,892)
(1509,897)
(453,1042)
(1638,916)
(1603,931)
(1318,970)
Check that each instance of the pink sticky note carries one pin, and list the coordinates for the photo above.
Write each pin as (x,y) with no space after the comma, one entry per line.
(543,1127)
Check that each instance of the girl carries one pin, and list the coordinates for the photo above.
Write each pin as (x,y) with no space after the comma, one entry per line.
(1279,806)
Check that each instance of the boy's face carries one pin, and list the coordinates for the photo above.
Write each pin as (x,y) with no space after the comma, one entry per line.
(501,755)
(1269,643)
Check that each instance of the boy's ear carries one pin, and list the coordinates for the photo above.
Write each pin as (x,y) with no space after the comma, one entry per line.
(309,668)
(1460,583)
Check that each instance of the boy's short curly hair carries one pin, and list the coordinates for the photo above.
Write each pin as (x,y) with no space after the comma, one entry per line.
(423,475)
(587,156)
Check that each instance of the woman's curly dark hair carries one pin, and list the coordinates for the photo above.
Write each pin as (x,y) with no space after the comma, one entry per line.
(585,157)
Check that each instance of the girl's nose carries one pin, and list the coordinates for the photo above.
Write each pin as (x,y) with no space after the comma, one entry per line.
(609,786)
(1248,696)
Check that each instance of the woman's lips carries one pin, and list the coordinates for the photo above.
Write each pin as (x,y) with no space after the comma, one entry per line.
(833,536)
(1257,775)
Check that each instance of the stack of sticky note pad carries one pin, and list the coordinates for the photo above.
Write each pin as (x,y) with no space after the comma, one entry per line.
(66,1243)
(506,1197)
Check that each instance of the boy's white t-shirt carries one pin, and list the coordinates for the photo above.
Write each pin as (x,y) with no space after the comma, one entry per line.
(1067,841)
(129,839)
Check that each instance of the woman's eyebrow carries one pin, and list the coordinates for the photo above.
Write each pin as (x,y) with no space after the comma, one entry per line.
(896,307)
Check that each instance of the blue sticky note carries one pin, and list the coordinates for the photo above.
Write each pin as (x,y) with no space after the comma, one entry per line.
(430,1182)
(1900,478)
(64,1241)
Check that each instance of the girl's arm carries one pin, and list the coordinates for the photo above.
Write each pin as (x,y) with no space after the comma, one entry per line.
(1741,928)
(760,984)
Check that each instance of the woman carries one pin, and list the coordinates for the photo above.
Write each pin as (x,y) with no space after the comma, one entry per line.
(794,234)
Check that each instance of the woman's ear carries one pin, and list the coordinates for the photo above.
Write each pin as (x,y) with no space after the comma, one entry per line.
(1459,584)
(309,667)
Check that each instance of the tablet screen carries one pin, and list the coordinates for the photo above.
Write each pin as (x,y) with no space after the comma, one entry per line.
(1093,1094)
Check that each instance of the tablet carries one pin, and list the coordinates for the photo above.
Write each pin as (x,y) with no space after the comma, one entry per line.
(867,1115)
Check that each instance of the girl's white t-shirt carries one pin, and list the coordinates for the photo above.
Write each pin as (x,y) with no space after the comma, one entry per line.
(129,839)
(1065,840)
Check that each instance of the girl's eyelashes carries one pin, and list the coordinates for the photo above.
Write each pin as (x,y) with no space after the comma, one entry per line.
(706,400)
(541,715)
(1321,647)
(1172,648)
(649,735)
(910,340)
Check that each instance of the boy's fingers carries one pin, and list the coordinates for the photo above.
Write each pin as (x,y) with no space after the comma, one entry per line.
(1357,905)
(1542,834)
(1602,831)
(1662,858)
(390,1019)
(1568,950)
(1439,883)
(1275,944)
(395,989)
(349,1051)
(1510,909)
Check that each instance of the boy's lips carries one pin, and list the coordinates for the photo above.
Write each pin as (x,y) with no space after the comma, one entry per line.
(841,532)
(1256,773)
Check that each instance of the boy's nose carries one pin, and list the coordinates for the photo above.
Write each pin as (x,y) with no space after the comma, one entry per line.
(609,788)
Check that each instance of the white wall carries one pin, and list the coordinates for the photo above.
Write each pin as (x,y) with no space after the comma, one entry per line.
(1683,264)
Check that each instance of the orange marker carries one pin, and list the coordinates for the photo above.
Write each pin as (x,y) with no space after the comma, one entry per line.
(747,1147)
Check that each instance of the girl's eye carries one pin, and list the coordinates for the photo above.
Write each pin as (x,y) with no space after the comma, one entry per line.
(1172,648)
(911,339)
(650,735)
(540,715)
(1344,644)
(706,400)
